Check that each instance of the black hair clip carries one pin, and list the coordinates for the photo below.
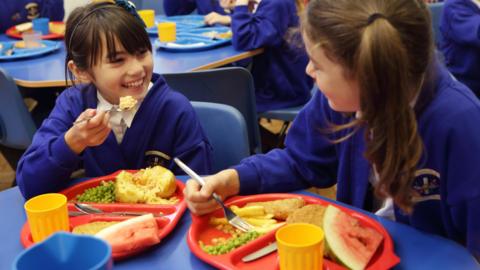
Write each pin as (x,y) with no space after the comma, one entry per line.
(130,8)
(375,16)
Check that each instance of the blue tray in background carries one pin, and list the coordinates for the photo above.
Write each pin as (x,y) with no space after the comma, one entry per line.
(193,20)
(183,22)
(189,43)
(19,53)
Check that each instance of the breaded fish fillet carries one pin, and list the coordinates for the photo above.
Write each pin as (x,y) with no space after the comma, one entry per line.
(312,213)
(280,209)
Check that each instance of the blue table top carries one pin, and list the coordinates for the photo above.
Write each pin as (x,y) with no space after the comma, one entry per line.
(417,250)
(49,70)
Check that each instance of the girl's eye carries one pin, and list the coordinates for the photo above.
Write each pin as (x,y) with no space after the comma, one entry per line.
(142,53)
(116,60)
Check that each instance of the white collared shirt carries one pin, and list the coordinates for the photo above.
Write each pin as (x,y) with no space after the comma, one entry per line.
(476,2)
(257,2)
(119,121)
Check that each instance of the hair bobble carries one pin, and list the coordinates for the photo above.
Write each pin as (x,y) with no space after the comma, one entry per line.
(130,8)
(375,16)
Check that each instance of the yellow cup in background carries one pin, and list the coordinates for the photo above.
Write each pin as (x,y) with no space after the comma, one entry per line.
(167,31)
(148,17)
(300,246)
(47,214)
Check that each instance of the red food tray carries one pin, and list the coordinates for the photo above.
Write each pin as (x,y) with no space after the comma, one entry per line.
(166,223)
(12,32)
(201,230)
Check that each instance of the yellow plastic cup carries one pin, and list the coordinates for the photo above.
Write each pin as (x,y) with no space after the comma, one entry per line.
(167,31)
(300,246)
(47,214)
(148,17)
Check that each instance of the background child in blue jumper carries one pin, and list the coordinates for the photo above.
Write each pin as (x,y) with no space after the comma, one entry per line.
(460,28)
(13,12)
(278,72)
(387,119)
(182,7)
(109,50)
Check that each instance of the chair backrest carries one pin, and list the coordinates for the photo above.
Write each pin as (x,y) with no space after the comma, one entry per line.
(16,123)
(232,86)
(156,5)
(227,132)
(436,10)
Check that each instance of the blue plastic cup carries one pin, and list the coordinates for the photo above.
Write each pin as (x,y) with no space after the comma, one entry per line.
(66,251)
(41,25)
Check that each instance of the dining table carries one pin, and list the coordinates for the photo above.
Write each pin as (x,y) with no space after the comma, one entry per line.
(48,70)
(416,249)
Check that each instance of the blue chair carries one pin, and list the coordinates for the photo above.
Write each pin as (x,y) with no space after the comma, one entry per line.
(226,130)
(16,124)
(436,10)
(232,86)
(156,5)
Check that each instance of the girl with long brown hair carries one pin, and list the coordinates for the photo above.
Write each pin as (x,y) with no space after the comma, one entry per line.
(390,126)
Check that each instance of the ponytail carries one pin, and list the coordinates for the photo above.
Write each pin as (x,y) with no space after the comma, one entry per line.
(393,144)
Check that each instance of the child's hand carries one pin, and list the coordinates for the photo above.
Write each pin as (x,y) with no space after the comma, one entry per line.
(199,199)
(213,18)
(92,132)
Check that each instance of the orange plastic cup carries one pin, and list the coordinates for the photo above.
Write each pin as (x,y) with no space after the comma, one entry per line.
(300,246)
(47,214)
(167,31)
(148,17)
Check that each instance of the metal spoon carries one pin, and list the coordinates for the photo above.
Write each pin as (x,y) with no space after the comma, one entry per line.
(88,209)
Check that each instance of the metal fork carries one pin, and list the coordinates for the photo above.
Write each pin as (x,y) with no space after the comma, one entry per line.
(232,218)
(112,109)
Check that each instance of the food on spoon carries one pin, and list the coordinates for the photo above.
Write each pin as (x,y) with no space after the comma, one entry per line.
(151,185)
(127,103)
(131,234)
(280,208)
(348,241)
(93,227)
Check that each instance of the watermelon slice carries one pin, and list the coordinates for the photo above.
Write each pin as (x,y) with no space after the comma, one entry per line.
(131,234)
(349,242)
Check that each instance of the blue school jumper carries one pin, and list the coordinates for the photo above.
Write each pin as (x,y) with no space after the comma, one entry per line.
(448,180)
(13,12)
(165,126)
(460,44)
(279,72)
(182,7)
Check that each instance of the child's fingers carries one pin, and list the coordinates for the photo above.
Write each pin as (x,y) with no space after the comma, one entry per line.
(99,136)
(85,115)
(97,120)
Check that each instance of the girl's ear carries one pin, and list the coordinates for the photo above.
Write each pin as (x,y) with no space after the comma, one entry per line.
(80,75)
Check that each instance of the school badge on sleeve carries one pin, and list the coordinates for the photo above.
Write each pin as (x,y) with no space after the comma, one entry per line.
(156,158)
(426,185)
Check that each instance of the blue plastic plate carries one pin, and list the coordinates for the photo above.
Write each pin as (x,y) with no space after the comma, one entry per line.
(210,32)
(187,42)
(18,53)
